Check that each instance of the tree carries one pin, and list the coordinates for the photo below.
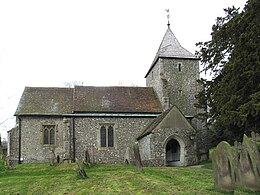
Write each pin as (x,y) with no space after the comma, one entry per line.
(73,83)
(231,100)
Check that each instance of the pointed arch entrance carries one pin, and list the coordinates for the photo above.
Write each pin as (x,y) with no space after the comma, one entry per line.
(174,152)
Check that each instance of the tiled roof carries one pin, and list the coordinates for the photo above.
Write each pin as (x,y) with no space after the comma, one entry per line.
(172,116)
(87,99)
(45,100)
(116,100)
(171,48)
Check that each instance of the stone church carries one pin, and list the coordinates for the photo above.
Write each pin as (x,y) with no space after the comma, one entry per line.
(108,121)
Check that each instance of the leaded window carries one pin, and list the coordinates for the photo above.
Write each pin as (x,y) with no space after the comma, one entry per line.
(110,136)
(49,134)
(103,135)
(107,136)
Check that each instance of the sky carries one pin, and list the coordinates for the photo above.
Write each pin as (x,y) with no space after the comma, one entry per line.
(101,43)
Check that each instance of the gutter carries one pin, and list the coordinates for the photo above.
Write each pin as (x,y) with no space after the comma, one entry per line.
(94,114)
(73,141)
(19,140)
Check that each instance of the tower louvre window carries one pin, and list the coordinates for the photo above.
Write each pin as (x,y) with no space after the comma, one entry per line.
(179,66)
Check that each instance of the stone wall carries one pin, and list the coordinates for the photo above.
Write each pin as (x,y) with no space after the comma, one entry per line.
(153,79)
(180,87)
(87,134)
(13,147)
(32,147)
(158,141)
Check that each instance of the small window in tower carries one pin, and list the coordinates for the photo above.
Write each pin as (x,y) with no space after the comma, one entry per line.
(179,66)
(180,93)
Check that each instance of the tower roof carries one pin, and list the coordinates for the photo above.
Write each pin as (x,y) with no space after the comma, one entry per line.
(171,48)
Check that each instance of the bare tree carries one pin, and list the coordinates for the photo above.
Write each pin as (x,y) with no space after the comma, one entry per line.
(73,83)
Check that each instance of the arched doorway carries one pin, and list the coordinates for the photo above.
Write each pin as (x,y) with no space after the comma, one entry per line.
(173,153)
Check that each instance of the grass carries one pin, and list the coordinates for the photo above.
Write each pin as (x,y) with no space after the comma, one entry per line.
(107,179)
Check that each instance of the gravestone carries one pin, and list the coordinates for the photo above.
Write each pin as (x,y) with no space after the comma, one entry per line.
(238,166)
(87,157)
(52,157)
(10,164)
(223,167)
(127,156)
(249,165)
(236,154)
(82,173)
(137,157)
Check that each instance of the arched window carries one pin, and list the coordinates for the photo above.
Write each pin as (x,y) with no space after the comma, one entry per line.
(49,134)
(107,136)
(52,136)
(103,136)
(110,136)
(46,136)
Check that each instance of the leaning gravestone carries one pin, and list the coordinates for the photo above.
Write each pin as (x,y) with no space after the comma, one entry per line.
(249,165)
(223,167)
(82,173)
(137,156)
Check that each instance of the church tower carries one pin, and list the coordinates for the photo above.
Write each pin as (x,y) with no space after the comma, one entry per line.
(173,76)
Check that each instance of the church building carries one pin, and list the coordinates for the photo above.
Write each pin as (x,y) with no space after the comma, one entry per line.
(104,123)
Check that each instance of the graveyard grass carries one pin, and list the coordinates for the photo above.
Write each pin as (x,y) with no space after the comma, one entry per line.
(42,178)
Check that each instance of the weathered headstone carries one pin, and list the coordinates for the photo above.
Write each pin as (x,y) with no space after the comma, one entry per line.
(127,156)
(10,164)
(236,154)
(249,165)
(82,173)
(223,167)
(137,157)
(239,166)
(87,158)
(52,157)
(92,153)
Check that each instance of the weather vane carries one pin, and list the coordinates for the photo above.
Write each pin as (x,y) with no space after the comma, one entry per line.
(168,16)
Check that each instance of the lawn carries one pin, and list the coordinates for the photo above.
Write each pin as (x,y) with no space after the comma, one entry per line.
(107,179)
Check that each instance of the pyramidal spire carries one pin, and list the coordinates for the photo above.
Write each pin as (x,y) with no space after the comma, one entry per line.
(171,48)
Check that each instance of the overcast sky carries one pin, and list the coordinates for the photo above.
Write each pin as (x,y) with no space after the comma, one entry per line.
(102,43)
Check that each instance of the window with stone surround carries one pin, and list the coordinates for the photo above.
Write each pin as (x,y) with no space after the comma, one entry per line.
(107,135)
(48,134)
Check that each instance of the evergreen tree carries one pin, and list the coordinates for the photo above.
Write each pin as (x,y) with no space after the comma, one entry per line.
(231,100)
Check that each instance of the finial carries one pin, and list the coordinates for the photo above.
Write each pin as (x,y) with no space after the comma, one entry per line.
(168,16)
